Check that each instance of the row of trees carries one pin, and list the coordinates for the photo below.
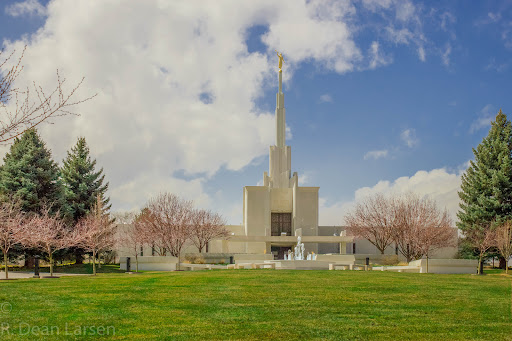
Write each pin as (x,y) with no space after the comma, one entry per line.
(47,232)
(168,223)
(31,178)
(417,227)
(414,225)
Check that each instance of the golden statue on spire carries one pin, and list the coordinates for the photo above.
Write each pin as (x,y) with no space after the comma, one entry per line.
(281,60)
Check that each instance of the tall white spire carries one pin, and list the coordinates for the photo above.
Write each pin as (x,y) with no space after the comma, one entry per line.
(279,174)
(280,114)
(280,111)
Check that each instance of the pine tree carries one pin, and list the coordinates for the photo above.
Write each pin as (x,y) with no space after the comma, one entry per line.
(486,189)
(82,183)
(31,176)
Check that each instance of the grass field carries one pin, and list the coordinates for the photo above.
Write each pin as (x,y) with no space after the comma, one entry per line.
(259,304)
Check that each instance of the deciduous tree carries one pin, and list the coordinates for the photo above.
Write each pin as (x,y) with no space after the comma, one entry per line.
(207,226)
(97,232)
(134,236)
(48,233)
(168,219)
(373,219)
(421,227)
(11,225)
(503,236)
(33,105)
(482,236)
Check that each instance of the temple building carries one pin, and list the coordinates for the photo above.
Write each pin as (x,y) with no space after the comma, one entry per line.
(275,214)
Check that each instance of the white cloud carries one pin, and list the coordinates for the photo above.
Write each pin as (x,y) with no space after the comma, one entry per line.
(376,154)
(495,66)
(409,137)
(405,27)
(28,7)
(321,33)
(325,98)
(446,55)
(377,57)
(438,184)
(484,119)
(494,17)
(177,87)
(154,65)
(303,179)
(421,53)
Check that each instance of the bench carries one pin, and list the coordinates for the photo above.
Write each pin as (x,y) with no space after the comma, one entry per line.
(342,266)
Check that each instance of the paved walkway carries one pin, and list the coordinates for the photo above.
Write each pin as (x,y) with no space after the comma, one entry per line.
(23,274)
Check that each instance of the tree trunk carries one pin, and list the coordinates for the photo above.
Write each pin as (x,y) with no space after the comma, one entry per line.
(136,262)
(6,267)
(29,261)
(503,263)
(79,258)
(94,263)
(51,264)
(206,247)
(480,266)
(427,263)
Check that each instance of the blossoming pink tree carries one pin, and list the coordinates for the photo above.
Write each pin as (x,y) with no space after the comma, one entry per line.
(48,233)
(374,220)
(205,227)
(421,227)
(135,236)
(503,236)
(167,219)
(11,220)
(96,232)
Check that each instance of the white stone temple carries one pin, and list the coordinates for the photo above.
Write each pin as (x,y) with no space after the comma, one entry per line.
(275,214)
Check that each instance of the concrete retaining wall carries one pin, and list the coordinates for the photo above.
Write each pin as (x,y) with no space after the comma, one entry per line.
(252,257)
(447,266)
(151,263)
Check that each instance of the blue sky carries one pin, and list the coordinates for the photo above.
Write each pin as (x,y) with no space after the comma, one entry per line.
(379,95)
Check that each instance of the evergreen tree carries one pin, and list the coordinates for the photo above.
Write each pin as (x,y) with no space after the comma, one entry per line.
(31,176)
(82,183)
(486,189)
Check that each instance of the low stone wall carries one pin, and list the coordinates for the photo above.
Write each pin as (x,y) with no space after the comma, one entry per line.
(446,266)
(209,258)
(301,264)
(150,263)
(336,258)
(252,257)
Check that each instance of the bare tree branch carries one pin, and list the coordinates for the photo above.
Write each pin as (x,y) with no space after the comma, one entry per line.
(28,112)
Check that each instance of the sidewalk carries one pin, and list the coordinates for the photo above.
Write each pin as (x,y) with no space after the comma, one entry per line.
(23,274)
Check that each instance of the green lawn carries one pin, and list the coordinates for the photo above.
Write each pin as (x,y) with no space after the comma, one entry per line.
(260,304)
